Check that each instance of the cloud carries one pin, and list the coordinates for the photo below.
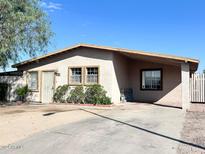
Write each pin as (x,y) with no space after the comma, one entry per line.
(51,6)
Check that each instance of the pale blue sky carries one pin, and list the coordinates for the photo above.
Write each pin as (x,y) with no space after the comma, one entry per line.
(165,26)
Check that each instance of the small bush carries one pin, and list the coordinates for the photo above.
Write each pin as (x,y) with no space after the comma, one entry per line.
(77,95)
(95,94)
(105,100)
(22,92)
(60,93)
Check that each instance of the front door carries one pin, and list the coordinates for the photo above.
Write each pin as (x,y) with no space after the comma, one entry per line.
(47,87)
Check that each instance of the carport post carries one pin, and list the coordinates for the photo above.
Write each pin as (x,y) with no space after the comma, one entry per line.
(185,75)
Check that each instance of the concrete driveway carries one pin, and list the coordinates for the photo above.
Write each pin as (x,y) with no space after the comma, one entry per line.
(139,129)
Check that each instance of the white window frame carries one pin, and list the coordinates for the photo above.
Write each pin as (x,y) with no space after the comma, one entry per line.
(70,81)
(96,76)
(29,81)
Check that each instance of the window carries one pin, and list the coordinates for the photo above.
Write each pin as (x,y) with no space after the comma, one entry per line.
(76,75)
(33,81)
(151,79)
(83,75)
(92,75)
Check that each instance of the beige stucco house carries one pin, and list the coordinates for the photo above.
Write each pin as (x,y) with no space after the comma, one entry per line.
(127,75)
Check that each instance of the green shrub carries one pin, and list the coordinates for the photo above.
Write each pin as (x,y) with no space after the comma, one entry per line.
(77,95)
(105,100)
(95,94)
(22,92)
(60,93)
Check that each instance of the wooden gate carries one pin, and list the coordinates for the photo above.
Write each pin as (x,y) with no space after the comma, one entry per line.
(197,88)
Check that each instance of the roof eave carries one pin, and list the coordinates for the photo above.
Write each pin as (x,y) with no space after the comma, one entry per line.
(181,59)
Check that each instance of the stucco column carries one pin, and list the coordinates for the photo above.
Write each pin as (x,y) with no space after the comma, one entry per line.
(185,76)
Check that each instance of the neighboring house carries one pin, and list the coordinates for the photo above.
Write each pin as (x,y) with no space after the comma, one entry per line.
(125,74)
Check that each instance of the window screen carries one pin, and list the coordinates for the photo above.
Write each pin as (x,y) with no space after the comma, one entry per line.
(76,75)
(33,81)
(92,75)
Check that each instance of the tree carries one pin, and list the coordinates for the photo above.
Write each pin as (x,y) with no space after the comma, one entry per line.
(24,29)
(204,71)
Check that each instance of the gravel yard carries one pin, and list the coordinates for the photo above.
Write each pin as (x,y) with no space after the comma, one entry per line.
(193,132)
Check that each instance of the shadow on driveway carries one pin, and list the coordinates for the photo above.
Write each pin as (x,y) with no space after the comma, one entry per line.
(148,131)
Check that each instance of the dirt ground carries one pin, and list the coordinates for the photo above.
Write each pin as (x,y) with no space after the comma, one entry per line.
(193,132)
(19,122)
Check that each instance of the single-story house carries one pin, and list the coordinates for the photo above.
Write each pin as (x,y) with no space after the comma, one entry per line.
(126,75)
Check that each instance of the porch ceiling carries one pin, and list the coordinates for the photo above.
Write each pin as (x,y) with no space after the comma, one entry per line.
(160,60)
